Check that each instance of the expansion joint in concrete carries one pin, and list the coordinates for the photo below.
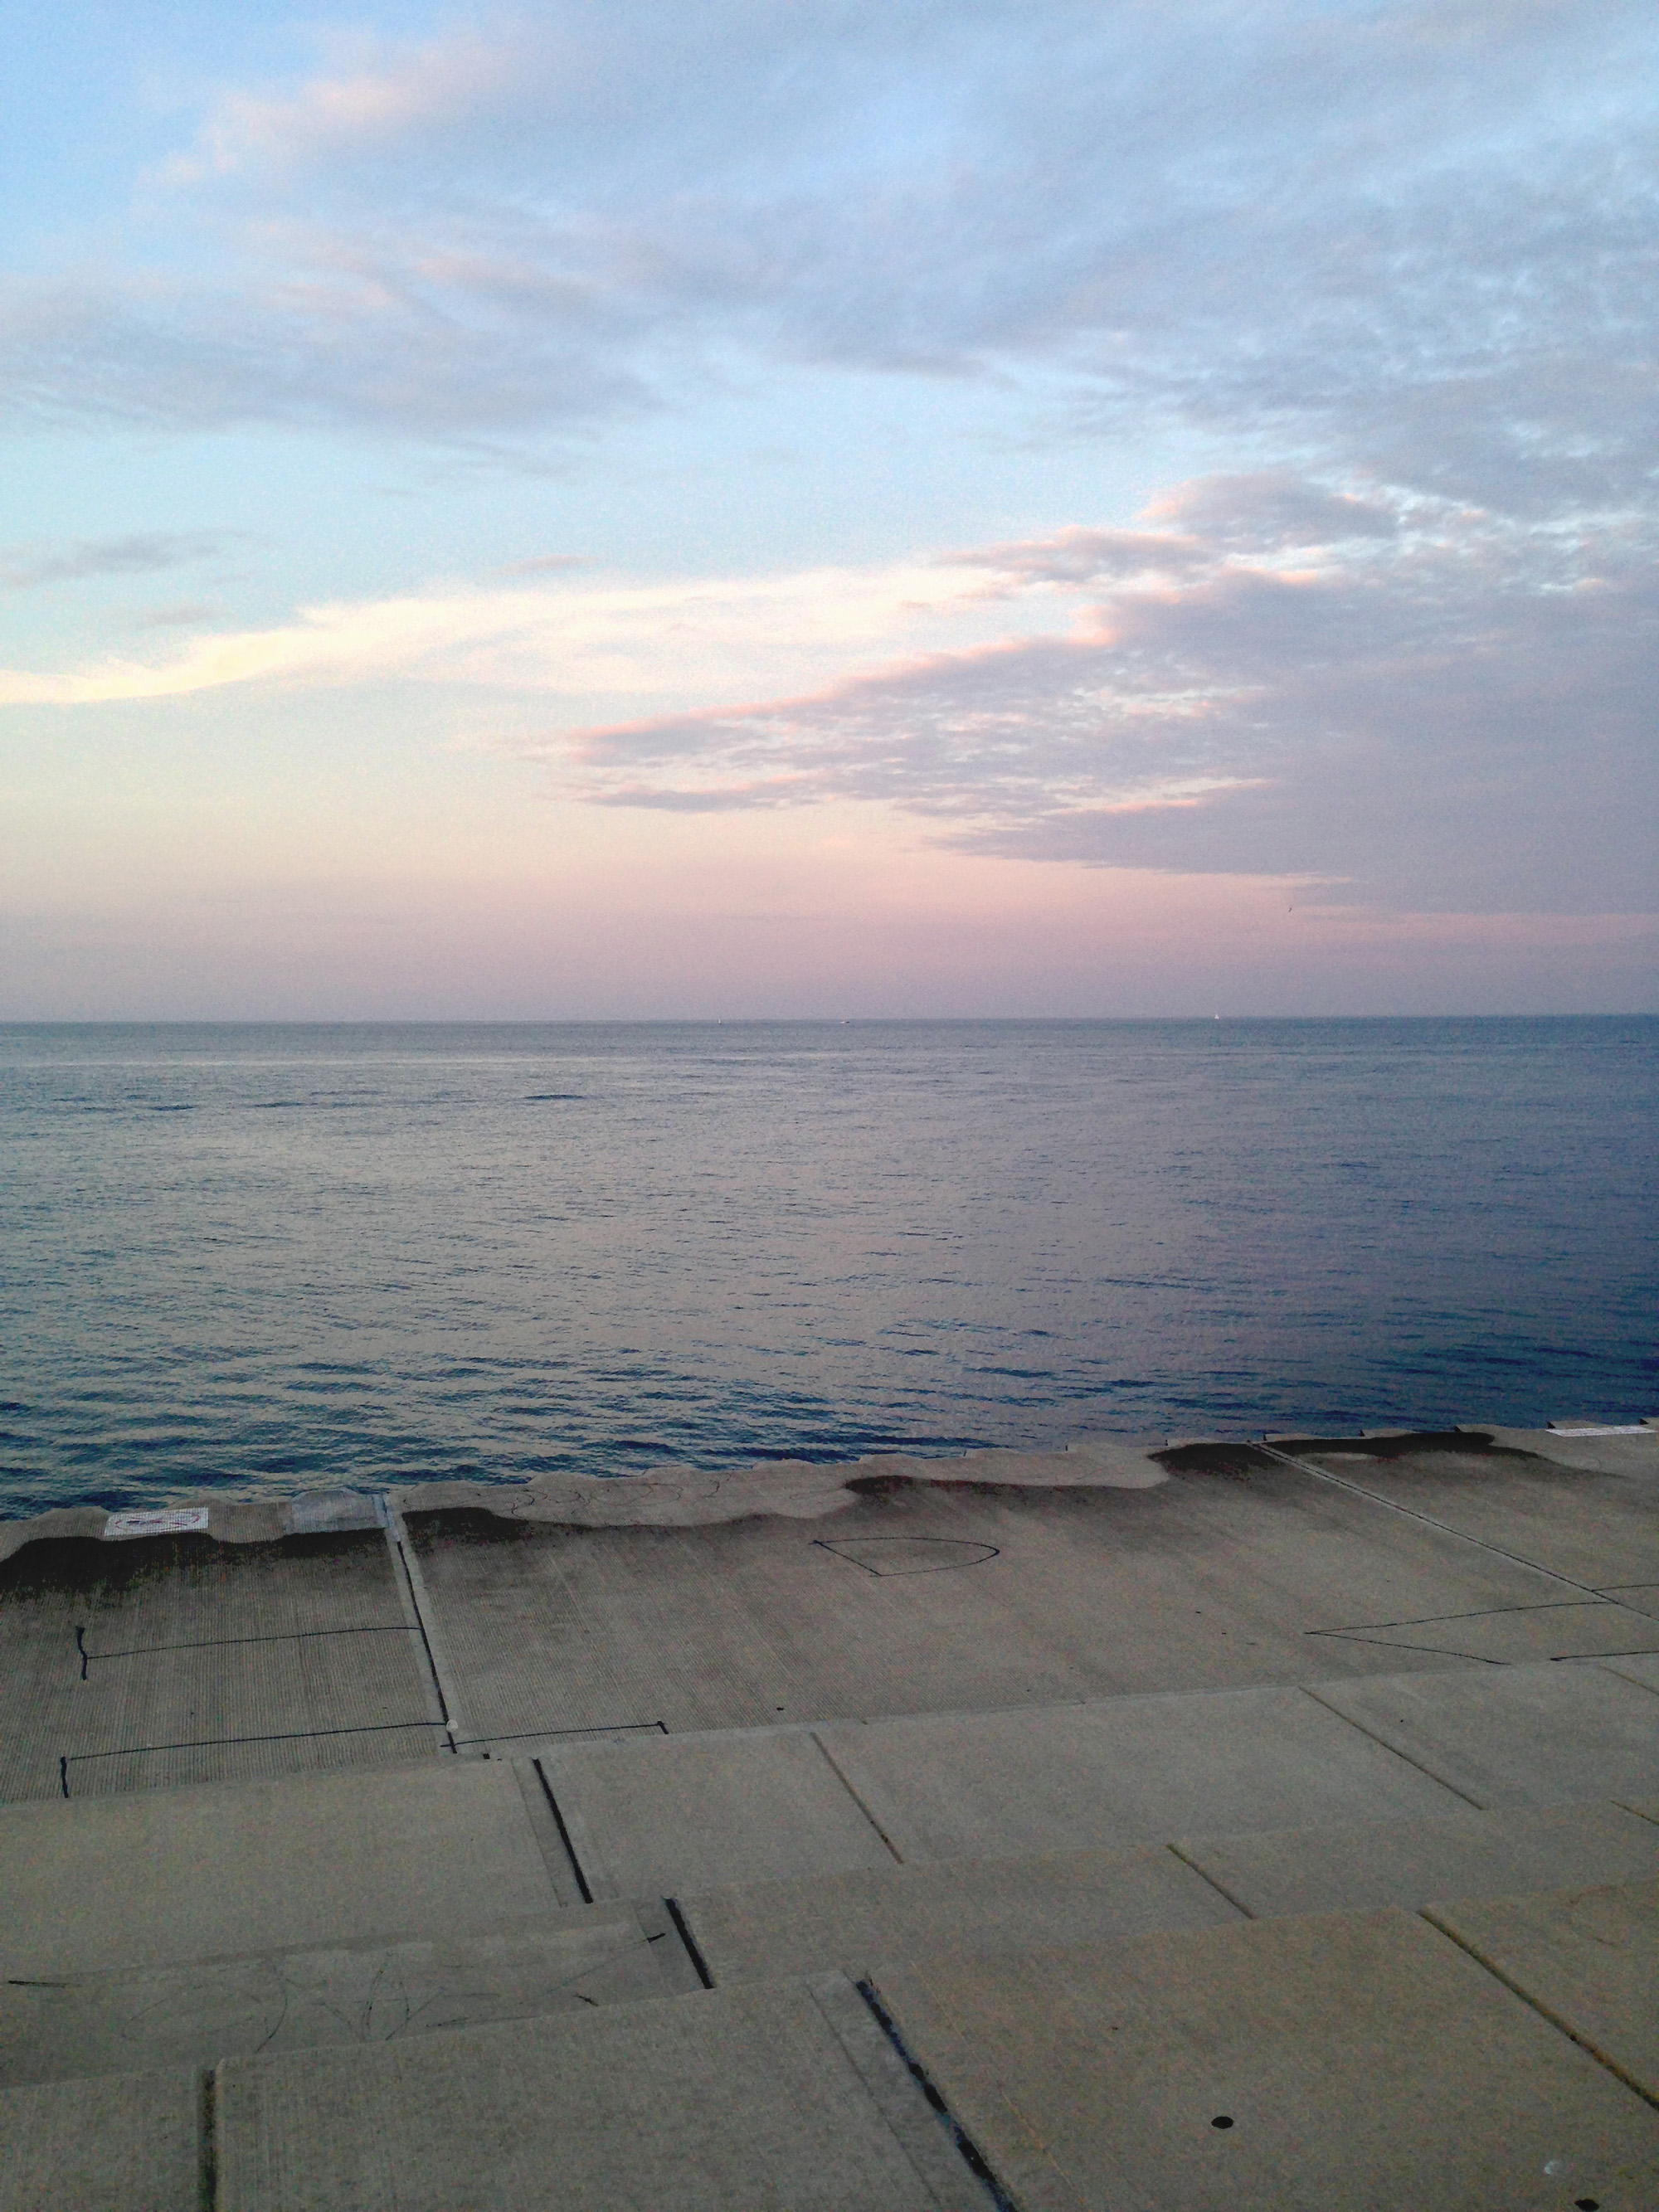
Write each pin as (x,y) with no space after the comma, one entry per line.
(1428,1520)
(1557,2021)
(836,1770)
(442,1683)
(972,2157)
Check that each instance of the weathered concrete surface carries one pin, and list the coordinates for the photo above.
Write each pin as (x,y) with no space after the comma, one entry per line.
(1581,1507)
(1636,1454)
(693,1497)
(69,2027)
(176,1660)
(731,2101)
(129,2143)
(1516,1637)
(1215,1579)
(1588,1957)
(898,1585)
(1410,1863)
(767,1931)
(164,1877)
(1514,1735)
(1363,2061)
(662,1814)
(1125,1771)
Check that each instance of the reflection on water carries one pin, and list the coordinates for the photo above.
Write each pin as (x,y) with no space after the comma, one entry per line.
(283,1256)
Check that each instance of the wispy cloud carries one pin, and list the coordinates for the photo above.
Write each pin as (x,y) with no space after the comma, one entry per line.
(23,568)
(617,639)
(1414,239)
(1432,711)
(1420,702)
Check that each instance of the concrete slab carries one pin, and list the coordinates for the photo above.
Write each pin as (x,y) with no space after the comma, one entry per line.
(172,1660)
(1514,1735)
(1588,1958)
(69,2027)
(1030,1597)
(1595,1448)
(1635,1667)
(718,2103)
(1100,2077)
(1410,1863)
(661,1814)
(766,1931)
(169,1876)
(1523,1635)
(130,2143)
(1122,1772)
(1591,1519)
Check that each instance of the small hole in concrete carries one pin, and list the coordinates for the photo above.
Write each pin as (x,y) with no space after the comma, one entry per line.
(1588,2203)
(1222,2120)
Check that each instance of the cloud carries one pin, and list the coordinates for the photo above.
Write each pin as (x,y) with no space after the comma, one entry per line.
(1420,704)
(1412,240)
(615,640)
(1463,722)
(545,564)
(24,568)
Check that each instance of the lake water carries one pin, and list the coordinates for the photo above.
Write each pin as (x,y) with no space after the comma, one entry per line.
(274,1257)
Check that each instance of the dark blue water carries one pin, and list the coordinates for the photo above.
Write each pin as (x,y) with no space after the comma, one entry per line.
(283,1256)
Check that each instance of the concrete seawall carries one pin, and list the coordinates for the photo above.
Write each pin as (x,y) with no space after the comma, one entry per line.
(1207,1823)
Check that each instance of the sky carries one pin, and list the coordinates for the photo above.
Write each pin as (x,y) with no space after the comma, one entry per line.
(782,508)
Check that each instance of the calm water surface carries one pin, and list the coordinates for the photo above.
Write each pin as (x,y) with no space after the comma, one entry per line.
(274,1257)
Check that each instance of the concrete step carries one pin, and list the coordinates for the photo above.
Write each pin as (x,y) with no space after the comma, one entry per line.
(166,1877)
(200,2014)
(1301,2062)
(760,1931)
(661,1814)
(1324,2063)
(732,2101)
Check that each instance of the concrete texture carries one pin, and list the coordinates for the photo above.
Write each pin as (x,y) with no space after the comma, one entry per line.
(799,1490)
(720,2103)
(130,2143)
(1212,1580)
(66,2027)
(170,1876)
(1093,2077)
(1641,1670)
(659,1814)
(1588,1957)
(1411,1863)
(172,1660)
(1627,1454)
(1125,1771)
(1520,1635)
(766,1931)
(1582,1507)
(1514,1735)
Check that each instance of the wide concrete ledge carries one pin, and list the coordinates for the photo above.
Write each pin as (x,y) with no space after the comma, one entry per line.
(69,2026)
(129,2143)
(1514,1735)
(1120,1772)
(1588,1957)
(1334,2063)
(767,1931)
(168,1877)
(731,2100)
(1410,1863)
